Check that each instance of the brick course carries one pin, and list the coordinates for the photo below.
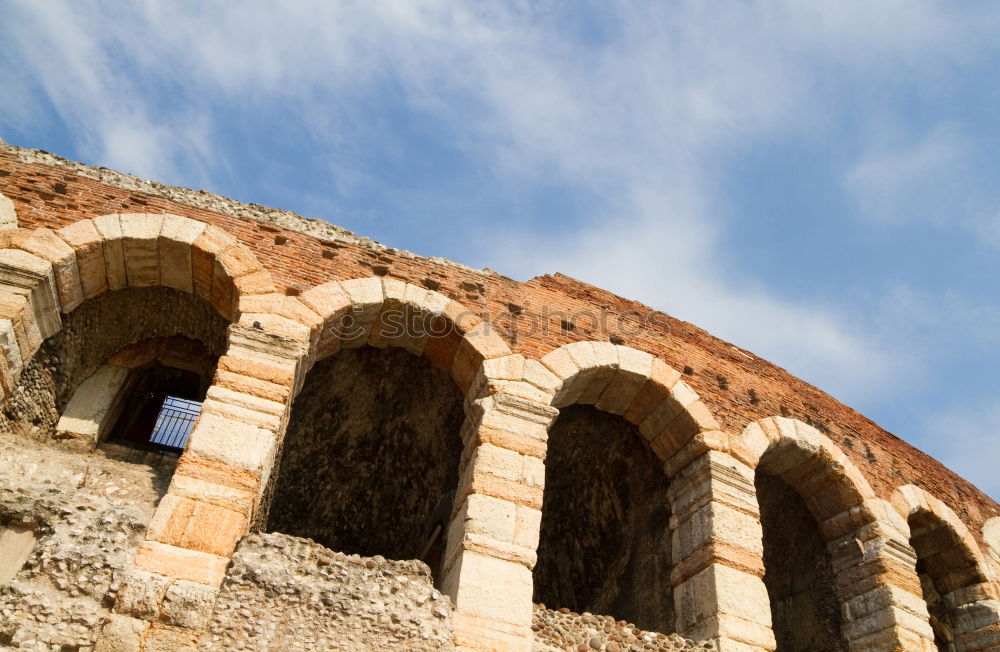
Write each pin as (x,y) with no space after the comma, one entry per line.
(737,386)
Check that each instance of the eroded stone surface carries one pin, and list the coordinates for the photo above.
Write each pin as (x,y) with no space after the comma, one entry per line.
(804,608)
(288,593)
(565,630)
(605,537)
(89,514)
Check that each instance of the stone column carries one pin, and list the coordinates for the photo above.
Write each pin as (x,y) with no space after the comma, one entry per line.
(876,581)
(167,599)
(494,529)
(717,580)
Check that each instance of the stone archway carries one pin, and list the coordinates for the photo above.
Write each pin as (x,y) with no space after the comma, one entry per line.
(870,560)
(644,412)
(45,273)
(962,599)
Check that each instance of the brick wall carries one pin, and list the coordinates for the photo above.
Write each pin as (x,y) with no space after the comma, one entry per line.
(533,316)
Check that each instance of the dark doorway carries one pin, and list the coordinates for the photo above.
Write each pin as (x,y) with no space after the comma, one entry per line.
(159,409)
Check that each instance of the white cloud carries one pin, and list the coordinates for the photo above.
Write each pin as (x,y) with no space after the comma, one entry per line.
(669,259)
(911,180)
(953,434)
(638,117)
(71,54)
(938,178)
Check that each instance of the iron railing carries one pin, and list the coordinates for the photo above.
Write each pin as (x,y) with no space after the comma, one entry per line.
(174,423)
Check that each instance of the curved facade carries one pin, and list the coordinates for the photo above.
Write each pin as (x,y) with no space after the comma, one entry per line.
(554,428)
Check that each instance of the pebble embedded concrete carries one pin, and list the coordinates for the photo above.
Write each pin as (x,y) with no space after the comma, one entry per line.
(562,629)
(284,592)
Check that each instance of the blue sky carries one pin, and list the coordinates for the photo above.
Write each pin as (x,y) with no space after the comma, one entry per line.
(816,182)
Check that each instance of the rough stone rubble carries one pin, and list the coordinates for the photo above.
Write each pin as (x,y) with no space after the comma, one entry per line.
(564,630)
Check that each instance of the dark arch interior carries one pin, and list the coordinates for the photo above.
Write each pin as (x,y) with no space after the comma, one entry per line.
(805,611)
(944,565)
(605,535)
(90,335)
(370,459)
(150,415)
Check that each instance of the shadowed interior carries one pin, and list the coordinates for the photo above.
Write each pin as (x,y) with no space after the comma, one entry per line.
(798,575)
(605,536)
(371,456)
(944,565)
(91,334)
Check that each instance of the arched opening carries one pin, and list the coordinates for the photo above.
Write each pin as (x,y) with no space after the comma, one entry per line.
(115,324)
(378,431)
(805,610)
(144,399)
(604,545)
(945,566)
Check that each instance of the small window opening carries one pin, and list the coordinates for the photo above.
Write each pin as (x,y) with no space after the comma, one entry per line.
(160,410)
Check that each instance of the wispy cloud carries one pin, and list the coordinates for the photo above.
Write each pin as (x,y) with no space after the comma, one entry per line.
(910,180)
(631,107)
(973,427)
(71,54)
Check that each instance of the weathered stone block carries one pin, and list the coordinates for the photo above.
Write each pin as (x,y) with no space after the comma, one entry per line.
(634,368)
(110,228)
(233,442)
(48,246)
(490,588)
(188,604)
(8,216)
(141,594)
(86,241)
(259,282)
(163,638)
(241,413)
(121,634)
(17,540)
(279,304)
(180,563)
(15,310)
(541,377)
(176,239)
(484,515)
(276,325)
(527,527)
(197,525)
(141,241)
(11,353)
(561,364)
(194,468)
(32,277)
(89,413)
(212,242)
(473,350)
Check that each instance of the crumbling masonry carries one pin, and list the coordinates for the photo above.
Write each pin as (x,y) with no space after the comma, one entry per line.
(397,452)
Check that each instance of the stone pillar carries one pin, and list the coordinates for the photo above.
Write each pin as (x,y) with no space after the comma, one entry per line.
(717,580)
(167,599)
(495,525)
(876,582)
